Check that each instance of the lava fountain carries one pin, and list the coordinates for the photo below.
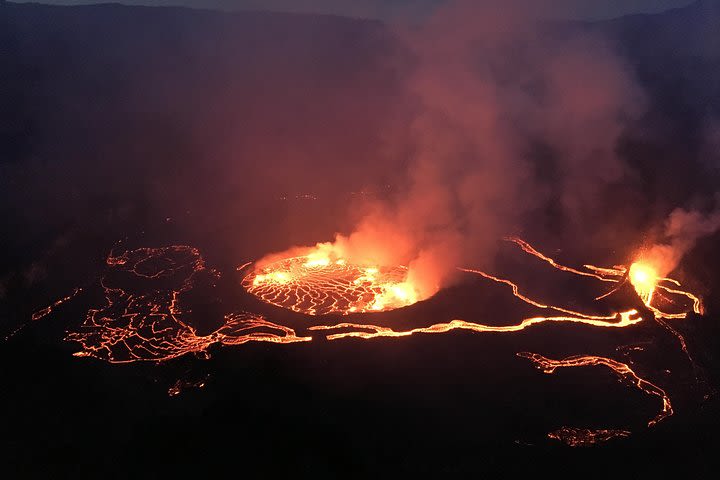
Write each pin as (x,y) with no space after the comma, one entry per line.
(322,282)
(644,278)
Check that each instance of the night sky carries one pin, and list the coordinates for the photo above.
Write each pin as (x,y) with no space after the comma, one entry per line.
(404,9)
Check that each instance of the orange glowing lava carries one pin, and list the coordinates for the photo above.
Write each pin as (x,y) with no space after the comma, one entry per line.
(359,330)
(180,385)
(586,437)
(143,320)
(562,314)
(645,283)
(49,309)
(623,371)
(316,284)
(644,278)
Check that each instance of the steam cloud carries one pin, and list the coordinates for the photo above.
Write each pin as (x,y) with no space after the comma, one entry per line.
(683,229)
(508,120)
(484,120)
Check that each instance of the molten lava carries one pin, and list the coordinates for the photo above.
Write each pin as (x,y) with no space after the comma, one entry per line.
(622,370)
(315,284)
(49,309)
(586,437)
(644,278)
(144,316)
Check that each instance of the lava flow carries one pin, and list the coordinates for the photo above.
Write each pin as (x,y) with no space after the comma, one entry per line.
(622,370)
(365,331)
(320,285)
(642,278)
(143,318)
(49,309)
(586,437)
(645,284)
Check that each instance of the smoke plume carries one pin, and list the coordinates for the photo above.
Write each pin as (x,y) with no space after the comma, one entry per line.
(509,120)
(683,229)
(209,129)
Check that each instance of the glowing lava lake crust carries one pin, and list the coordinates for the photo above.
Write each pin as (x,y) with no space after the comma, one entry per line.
(315,287)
